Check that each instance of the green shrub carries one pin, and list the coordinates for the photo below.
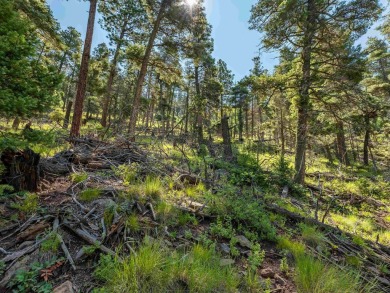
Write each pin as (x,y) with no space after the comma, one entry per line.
(29,204)
(128,173)
(29,280)
(52,243)
(256,257)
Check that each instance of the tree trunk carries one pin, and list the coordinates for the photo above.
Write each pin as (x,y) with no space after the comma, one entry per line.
(227,144)
(144,67)
(253,118)
(247,122)
(83,75)
(22,171)
(199,116)
(67,114)
(304,98)
(341,144)
(282,131)
(110,81)
(366,141)
(187,111)
(15,124)
(240,124)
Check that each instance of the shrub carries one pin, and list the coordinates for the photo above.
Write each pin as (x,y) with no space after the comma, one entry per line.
(29,204)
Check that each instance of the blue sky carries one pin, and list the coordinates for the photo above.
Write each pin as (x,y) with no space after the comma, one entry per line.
(234,42)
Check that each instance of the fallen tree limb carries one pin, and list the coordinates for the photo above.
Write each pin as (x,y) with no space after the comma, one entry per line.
(299,218)
(90,239)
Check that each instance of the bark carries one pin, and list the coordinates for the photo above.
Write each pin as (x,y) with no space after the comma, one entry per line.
(22,171)
(199,118)
(240,124)
(15,124)
(144,67)
(187,112)
(83,75)
(67,114)
(341,144)
(227,144)
(366,141)
(111,77)
(282,131)
(304,98)
(247,122)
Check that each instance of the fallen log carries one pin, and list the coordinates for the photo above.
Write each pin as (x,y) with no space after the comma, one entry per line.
(299,218)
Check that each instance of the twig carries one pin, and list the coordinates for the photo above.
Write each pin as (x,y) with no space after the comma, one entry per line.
(66,251)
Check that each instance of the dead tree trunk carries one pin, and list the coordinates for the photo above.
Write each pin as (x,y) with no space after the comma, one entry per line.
(22,171)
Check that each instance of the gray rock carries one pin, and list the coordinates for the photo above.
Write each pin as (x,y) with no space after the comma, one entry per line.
(243,241)
(225,248)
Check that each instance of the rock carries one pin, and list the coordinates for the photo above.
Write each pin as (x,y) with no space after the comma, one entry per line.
(226,262)
(225,248)
(267,273)
(244,242)
(66,287)
(280,280)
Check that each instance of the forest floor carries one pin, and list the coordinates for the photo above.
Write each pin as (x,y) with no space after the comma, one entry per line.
(166,215)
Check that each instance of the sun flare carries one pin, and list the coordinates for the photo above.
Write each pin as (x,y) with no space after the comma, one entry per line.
(191,2)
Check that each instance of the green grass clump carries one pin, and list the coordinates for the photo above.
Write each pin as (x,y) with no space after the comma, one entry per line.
(132,223)
(313,276)
(156,269)
(153,187)
(90,194)
(52,243)
(311,235)
(296,248)
(79,177)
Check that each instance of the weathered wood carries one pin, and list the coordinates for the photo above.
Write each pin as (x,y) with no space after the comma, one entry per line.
(90,239)
(22,169)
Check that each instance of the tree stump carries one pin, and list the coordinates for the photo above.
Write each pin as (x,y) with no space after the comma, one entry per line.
(22,169)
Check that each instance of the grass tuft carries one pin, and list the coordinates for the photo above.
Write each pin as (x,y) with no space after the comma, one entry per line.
(153,187)
(90,194)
